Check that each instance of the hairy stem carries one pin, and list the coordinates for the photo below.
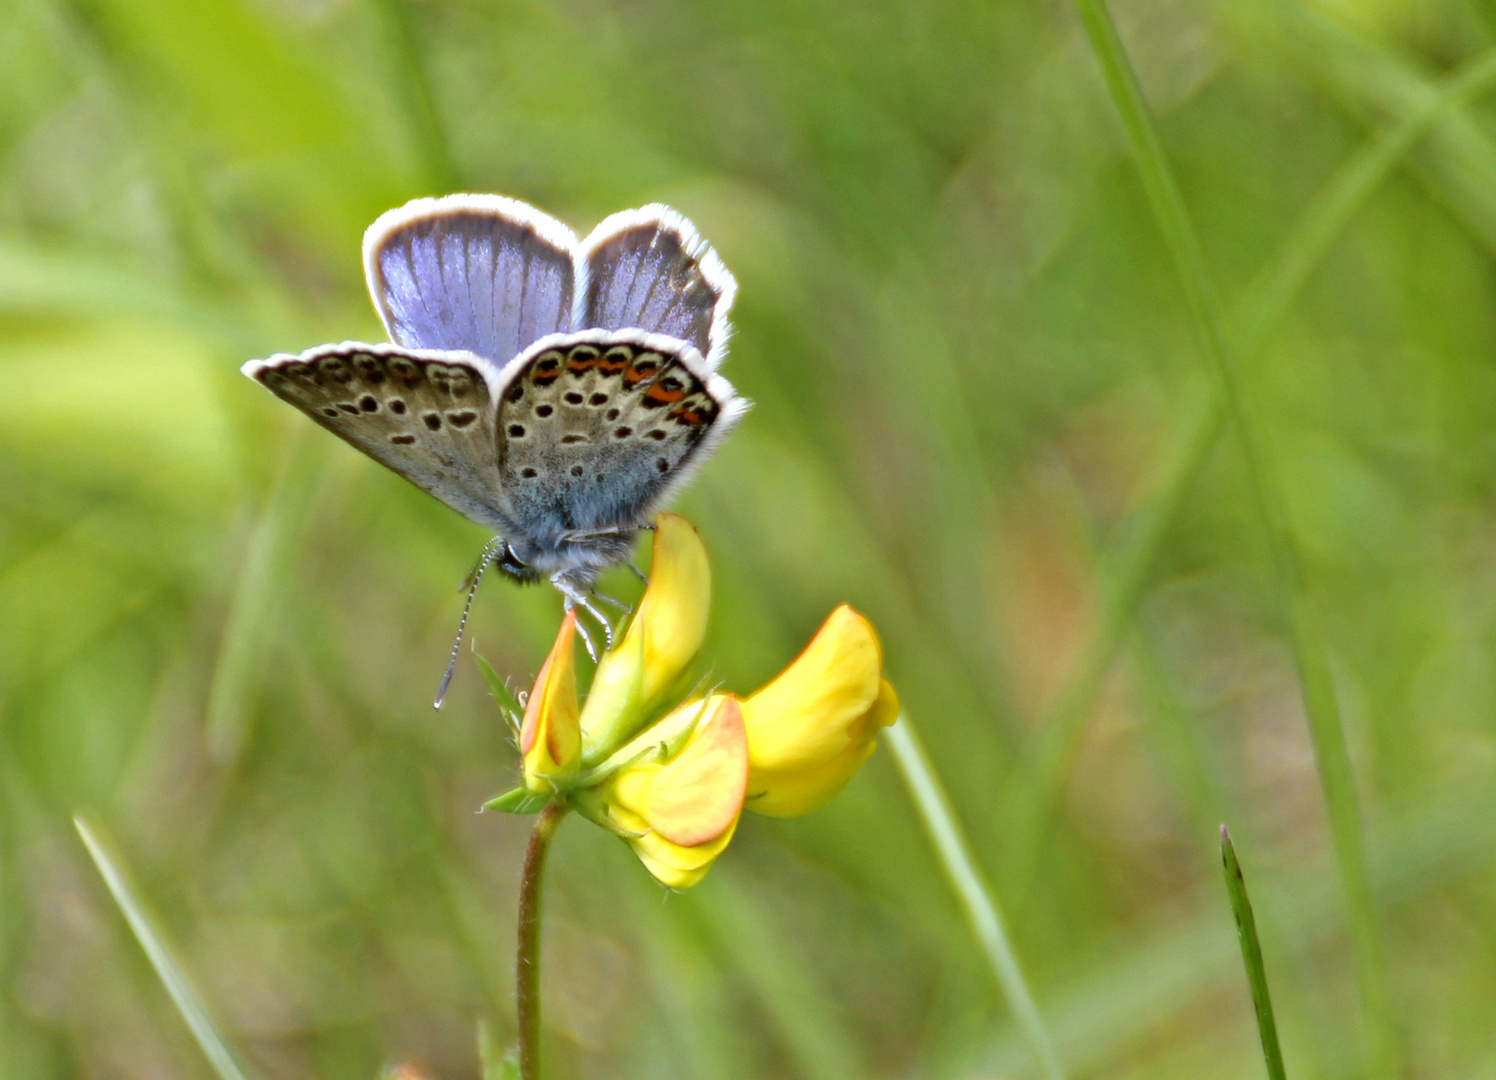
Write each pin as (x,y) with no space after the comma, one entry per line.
(527,954)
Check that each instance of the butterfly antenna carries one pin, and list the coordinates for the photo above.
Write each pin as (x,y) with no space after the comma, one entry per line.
(471,584)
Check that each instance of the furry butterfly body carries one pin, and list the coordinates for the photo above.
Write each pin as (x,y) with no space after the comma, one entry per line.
(557,392)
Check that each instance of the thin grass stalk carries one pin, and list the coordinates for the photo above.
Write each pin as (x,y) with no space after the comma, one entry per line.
(1310,658)
(261,584)
(814,1037)
(1123,576)
(1317,228)
(966,879)
(183,996)
(1251,953)
(413,73)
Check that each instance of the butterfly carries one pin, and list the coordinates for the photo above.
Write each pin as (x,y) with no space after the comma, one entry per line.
(556,391)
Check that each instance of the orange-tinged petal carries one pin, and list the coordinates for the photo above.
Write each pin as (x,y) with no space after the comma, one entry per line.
(694,797)
(684,811)
(551,737)
(697,796)
(796,792)
(662,639)
(804,718)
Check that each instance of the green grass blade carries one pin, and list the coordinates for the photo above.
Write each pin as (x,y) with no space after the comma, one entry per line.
(976,897)
(182,994)
(263,580)
(1310,659)
(1124,575)
(1251,952)
(413,78)
(1271,293)
(814,1037)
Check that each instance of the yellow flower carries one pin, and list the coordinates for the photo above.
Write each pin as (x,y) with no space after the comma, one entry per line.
(551,736)
(675,790)
(812,727)
(678,814)
(661,641)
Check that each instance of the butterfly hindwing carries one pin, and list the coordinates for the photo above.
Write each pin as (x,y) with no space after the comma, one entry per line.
(427,415)
(479,273)
(597,428)
(648,269)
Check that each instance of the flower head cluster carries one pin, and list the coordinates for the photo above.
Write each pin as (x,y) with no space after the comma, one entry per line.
(672,772)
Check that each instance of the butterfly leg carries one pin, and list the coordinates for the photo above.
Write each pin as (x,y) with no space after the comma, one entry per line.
(583,632)
(583,535)
(619,604)
(578,598)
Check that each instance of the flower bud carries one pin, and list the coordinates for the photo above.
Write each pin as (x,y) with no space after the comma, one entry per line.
(551,736)
(661,641)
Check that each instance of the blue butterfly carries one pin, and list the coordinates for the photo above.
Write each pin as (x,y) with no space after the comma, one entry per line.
(556,391)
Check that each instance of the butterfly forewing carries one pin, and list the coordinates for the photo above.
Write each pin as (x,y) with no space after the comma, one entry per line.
(484,274)
(648,269)
(429,416)
(596,428)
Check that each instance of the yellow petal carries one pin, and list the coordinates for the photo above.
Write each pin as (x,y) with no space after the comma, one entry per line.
(662,638)
(804,718)
(551,737)
(672,615)
(679,867)
(698,795)
(686,810)
(796,792)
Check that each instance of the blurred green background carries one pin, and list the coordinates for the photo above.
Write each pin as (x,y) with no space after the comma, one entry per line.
(983,417)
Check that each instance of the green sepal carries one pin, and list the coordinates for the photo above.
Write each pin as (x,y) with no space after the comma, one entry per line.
(593,805)
(518,801)
(509,705)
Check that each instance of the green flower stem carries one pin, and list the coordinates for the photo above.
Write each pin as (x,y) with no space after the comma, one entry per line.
(1251,952)
(527,955)
(1310,658)
(975,896)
